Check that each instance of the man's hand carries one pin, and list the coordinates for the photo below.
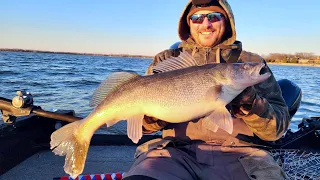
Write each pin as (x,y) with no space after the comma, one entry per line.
(242,104)
(151,125)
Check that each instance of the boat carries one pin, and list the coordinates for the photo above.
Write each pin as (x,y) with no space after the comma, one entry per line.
(26,129)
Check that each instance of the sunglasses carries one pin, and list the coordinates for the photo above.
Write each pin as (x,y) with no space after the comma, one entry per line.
(212,17)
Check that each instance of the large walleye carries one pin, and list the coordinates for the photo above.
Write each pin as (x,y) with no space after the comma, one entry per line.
(182,92)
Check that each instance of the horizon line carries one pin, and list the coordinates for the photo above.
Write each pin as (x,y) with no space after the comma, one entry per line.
(114,55)
(74,53)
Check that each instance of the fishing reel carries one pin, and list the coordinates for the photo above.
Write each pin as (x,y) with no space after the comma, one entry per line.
(22,100)
(20,105)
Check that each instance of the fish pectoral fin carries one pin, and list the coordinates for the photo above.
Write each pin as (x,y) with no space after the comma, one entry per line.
(219,118)
(134,127)
(208,124)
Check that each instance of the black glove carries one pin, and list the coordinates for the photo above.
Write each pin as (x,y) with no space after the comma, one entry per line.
(166,54)
(242,104)
(151,125)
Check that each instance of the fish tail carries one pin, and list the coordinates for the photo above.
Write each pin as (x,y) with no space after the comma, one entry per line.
(68,141)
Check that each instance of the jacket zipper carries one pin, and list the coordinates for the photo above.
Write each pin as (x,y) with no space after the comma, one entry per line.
(207,55)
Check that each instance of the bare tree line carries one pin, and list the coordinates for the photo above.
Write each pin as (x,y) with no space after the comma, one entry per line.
(299,57)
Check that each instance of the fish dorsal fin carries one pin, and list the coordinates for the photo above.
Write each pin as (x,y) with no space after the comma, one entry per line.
(110,84)
(184,60)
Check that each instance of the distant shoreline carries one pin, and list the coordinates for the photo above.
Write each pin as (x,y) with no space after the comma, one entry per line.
(74,53)
(130,56)
(294,64)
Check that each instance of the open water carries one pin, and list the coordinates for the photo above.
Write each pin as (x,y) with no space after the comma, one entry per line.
(66,81)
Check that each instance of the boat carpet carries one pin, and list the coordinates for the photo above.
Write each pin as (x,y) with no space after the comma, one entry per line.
(47,166)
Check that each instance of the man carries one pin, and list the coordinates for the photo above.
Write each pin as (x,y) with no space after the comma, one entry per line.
(187,151)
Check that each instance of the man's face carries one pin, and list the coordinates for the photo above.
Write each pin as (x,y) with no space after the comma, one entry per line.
(207,33)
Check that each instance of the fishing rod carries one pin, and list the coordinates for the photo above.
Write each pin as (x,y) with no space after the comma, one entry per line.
(22,105)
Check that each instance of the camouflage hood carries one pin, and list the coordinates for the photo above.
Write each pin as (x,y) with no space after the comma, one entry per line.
(184,29)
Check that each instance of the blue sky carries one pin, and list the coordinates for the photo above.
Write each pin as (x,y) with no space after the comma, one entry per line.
(147,27)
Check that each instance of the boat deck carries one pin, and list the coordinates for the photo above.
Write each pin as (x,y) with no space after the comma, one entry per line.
(46,166)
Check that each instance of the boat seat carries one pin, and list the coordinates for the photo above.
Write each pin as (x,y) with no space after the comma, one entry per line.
(292,95)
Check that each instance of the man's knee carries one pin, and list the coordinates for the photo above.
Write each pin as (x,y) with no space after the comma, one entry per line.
(163,164)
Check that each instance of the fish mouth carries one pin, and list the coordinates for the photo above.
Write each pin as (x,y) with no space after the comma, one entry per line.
(260,72)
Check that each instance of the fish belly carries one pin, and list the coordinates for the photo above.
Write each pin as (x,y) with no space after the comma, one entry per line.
(178,114)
